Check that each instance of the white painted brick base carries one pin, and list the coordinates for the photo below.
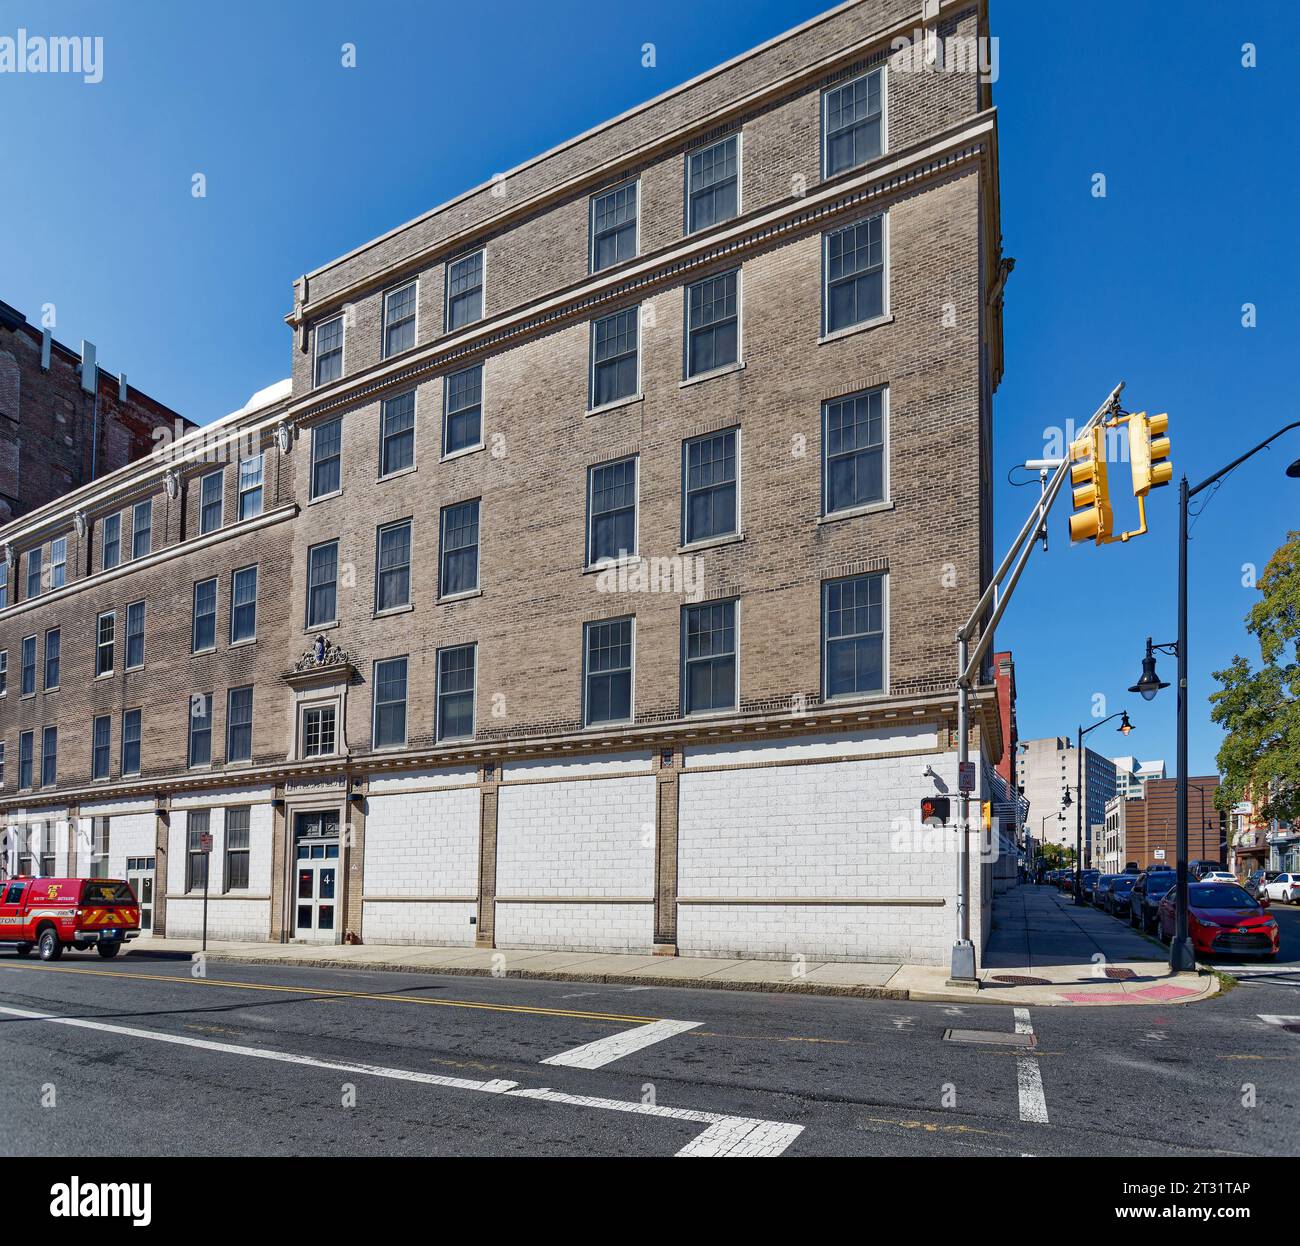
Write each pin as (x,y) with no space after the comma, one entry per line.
(576,927)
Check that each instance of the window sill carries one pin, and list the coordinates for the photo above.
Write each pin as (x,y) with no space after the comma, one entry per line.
(105,675)
(874,323)
(234,644)
(611,564)
(397,475)
(27,696)
(466,596)
(725,370)
(383,614)
(325,497)
(312,628)
(629,401)
(463,452)
(853,512)
(54,689)
(712,542)
(704,715)
(203,653)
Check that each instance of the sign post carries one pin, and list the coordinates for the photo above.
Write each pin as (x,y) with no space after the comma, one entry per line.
(205,847)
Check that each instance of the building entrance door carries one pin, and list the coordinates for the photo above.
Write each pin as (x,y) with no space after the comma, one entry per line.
(316,862)
(140,874)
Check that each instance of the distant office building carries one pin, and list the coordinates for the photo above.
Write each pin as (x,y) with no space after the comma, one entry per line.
(1046,771)
(1131,775)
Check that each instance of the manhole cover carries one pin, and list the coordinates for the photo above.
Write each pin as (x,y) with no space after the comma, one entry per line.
(1119,973)
(1000,1037)
(1019,979)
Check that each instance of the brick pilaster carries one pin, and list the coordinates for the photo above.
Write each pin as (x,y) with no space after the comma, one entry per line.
(487,856)
(666,794)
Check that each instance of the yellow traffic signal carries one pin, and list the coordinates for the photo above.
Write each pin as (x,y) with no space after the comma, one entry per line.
(1148,452)
(1093,516)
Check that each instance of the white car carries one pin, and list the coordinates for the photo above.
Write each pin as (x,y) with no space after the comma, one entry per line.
(1284,887)
(1217,876)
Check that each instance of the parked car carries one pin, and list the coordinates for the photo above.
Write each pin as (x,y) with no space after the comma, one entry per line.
(1222,917)
(1285,887)
(1117,897)
(1144,900)
(51,914)
(1198,868)
(1090,880)
(1101,891)
(1257,879)
(1217,876)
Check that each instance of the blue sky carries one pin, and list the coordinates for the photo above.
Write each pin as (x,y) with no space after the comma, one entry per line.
(305,160)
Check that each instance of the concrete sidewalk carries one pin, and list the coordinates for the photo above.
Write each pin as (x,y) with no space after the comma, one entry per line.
(1035,937)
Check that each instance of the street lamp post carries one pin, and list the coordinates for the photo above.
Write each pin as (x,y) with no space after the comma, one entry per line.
(1181,953)
(1124,728)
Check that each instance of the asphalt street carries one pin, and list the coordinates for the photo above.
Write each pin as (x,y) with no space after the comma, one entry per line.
(140,1057)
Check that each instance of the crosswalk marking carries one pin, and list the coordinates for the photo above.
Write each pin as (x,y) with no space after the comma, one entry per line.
(1273,1019)
(606,1050)
(1029,1078)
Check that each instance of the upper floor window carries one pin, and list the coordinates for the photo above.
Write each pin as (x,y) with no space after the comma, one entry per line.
(709,667)
(464,290)
(390,703)
(27,684)
(456,679)
(713,184)
(611,510)
(200,733)
(322,584)
(712,323)
(318,731)
(99,750)
(25,747)
(111,542)
(459,570)
(205,616)
(4,584)
(34,572)
(853,636)
(397,434)
(709,479)
(607,662)
(613,226)
(134,635)
(211,499)
(4,672)
(53,653)
(131,742)
(49,756)
(141,529)
(250,486)
(399,319)
(853,441)
(326,457)
(328,365)
(615,370)
(393,567)
(243,604)
(239,724)
(854,274)
(59,562)
(463,410)
(853,123)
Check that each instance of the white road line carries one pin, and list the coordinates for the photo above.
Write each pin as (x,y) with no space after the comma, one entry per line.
(1029,1080)
(725,1135)
(1277,1020)
(606,1050)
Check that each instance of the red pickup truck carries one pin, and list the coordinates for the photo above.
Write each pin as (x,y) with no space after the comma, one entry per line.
(50,914)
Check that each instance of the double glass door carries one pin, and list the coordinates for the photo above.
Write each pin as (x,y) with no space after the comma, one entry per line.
(316,852)
(140,874)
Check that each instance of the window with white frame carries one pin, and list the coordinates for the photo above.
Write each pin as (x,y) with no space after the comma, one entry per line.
(455,713)
(243,605)
(200,729)
(237,848)
(58,562)
(111,542)
(458,572)
(131,721)
(399,319)
(607,665)
(141,529)
(239,724)
(53,658)
(611,510)
(464,277)
(615,369)
(390,703)
(853,636)
(101,732)
(34,572)
(204,632)
(712,323)
(853,123)
(853,266)
(250,486)
(4,584)
(4,672)
(105,642)
(25,746)
(326,457)
(709,486)
(709,667)
(614,226)
(198,823)
(100,838)
(397,434)
(463,410)
(27,678)
(322,583)
(713,183)
(318,731)
(853,450)
(49,757)
(328,364)
(211,491)
(134,635)
(393,566)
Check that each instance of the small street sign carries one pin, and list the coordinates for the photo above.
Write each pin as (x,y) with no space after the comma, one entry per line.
(205,842)
(966,776)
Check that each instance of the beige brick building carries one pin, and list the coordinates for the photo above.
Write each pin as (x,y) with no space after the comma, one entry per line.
(593,581)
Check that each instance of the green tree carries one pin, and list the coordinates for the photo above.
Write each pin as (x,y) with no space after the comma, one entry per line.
(1259,710)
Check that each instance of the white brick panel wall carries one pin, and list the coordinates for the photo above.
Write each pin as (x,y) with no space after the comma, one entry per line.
(129,836)
(422,844)
(244,914)
(576,927)
(408,921)
(810,748)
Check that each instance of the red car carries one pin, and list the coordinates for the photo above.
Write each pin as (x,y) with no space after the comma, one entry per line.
(50,914)
(1222,918)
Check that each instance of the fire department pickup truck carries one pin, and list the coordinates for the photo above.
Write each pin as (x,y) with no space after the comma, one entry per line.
(50,914)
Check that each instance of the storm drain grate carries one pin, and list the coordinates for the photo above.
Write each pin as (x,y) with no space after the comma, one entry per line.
(1019,979)
(1000,1037)
(1119,973)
